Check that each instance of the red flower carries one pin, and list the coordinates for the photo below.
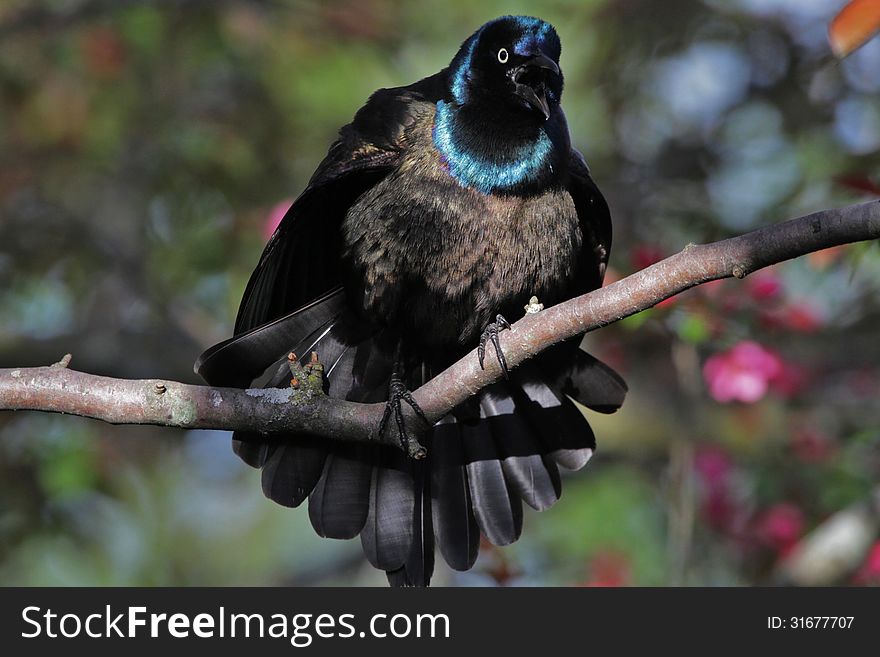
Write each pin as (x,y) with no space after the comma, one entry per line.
(801,318)
(719,510)
(859,183)
(666,303)
(780,527)
(609,568)
(791,380)
(742,373)
(869,572)
(645,255)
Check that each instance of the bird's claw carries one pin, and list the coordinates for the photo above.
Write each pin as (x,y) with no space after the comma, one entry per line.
(491,333)
(397,394)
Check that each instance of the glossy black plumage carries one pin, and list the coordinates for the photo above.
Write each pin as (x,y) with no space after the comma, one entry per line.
(441,205)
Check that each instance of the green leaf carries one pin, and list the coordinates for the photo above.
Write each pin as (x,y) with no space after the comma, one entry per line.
(693,328)
(634,322)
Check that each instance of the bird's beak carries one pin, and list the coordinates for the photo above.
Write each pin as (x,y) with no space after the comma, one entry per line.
(530,83)
(542,61)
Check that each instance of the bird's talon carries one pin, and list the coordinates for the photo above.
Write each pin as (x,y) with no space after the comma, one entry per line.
(397,395)
(491,333)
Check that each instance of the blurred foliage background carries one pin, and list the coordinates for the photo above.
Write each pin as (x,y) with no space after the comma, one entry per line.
(147,148)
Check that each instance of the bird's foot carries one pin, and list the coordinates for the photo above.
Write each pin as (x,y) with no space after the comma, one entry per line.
(491,333)
(397,394)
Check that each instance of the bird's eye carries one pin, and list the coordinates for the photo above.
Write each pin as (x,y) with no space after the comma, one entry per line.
(503,55)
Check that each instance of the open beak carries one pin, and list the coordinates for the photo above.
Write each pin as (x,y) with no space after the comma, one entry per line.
(530,81)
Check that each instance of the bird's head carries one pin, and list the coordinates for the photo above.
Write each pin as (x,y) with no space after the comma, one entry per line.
(510,63)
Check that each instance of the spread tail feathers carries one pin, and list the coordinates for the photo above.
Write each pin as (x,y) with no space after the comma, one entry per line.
(480,468)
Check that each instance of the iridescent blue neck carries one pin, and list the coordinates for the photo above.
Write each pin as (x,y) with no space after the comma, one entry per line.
(472,167)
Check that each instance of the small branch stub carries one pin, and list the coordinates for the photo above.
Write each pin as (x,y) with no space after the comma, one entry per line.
(296,370)
(414,449)
(311,375)
(64,362)
(533,306)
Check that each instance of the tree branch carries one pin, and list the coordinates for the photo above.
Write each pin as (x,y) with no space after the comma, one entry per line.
(166,403)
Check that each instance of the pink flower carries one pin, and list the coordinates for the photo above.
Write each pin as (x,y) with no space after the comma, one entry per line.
(869,572)
(742,373)
(764,285)
(276,214)
(713,465)
(780,527)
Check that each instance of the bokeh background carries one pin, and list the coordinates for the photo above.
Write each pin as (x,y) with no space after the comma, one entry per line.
(147,148)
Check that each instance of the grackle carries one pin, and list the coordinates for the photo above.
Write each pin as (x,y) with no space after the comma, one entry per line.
(439,211)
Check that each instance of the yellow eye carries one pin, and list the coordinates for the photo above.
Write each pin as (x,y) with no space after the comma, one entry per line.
(503,55)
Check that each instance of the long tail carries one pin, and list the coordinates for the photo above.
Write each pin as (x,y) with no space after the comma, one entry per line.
(484,460)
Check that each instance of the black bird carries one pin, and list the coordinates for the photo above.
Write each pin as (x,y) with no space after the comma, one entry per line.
(439,211)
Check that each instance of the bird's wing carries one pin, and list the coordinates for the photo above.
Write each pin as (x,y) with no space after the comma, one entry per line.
(595,220)
(565,368)
(302,258)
